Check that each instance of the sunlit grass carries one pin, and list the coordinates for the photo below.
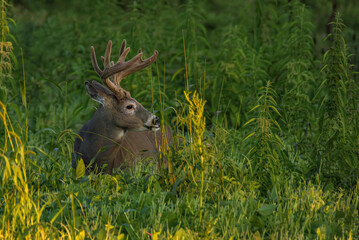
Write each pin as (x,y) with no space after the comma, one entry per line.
(247,158)
(137,203)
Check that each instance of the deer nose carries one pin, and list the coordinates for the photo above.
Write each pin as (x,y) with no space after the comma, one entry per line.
(156,121)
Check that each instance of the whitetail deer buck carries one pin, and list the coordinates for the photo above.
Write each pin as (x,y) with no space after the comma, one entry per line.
(121,130)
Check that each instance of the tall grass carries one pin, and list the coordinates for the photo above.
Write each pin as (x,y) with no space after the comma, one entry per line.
(21,210)
(265,121)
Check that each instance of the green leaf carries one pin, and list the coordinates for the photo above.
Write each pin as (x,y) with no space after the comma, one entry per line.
(176,73)
(271,98)
(266,209)
(52,82)
(249,121)
(80,169)
(255,107)
(329,187)
(11,20)
(273,195)
(250,135)
(47,155)
(57,214)
(274,109)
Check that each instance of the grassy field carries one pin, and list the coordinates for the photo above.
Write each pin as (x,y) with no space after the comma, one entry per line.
(261,96)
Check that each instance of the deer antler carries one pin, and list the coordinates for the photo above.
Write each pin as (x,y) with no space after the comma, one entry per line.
(121,69)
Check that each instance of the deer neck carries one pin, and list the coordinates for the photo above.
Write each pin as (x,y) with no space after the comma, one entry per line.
(102,124)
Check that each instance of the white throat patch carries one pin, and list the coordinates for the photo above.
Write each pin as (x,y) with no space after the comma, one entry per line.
(120,134)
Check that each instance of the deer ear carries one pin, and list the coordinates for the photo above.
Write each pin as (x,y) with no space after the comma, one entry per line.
(98,92)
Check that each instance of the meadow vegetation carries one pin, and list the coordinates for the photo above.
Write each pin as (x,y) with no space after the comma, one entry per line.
(261,98)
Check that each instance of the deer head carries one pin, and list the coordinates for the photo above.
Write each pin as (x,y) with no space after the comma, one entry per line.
(119,109)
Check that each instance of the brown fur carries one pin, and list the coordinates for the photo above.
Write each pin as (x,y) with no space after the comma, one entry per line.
(116,138)
(119,133)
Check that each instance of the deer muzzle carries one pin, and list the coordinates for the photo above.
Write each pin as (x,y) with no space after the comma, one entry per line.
(153,123)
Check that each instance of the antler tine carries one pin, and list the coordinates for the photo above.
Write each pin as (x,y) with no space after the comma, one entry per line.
(123,46)
(123,52)
(94,62)
(106,62)
(107,59)
(123,55)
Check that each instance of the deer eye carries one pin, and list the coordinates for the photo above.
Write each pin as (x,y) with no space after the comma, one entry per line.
(129,107)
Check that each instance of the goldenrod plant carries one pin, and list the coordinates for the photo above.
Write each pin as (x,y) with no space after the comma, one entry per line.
(7,57)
